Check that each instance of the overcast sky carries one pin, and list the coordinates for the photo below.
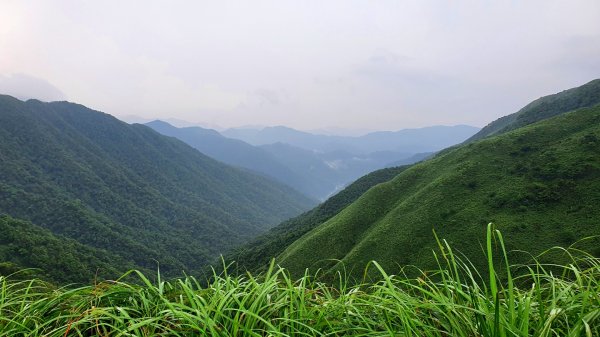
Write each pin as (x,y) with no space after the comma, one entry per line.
(307,64)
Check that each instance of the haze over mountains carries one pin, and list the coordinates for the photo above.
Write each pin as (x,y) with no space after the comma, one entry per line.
(316,165)
(427,139)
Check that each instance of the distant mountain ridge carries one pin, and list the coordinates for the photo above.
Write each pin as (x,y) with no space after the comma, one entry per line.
(111,186)
(425,139)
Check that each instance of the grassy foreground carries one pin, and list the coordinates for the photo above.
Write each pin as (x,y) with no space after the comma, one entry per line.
(456,300)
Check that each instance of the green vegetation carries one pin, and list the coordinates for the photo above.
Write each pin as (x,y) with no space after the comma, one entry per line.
(55,258)
(453,300)
(87,196)
(540,184)
(545,107)
(127,190)
(256,254)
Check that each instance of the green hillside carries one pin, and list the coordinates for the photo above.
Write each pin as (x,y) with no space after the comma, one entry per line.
(147,198)
(54,258)
(542,108)
(257,254)
(539,184)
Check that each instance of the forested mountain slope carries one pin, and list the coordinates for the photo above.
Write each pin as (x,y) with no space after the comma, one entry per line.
(54,258)
(539,184)
(145,197)
(545,107)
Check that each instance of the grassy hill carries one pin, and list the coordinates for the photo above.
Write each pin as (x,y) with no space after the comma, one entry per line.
(257,254)
(144,197)
(539,184)
(545,107)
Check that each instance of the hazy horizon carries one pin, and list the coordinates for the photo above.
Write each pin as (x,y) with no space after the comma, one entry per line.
(310,65)
(326,130)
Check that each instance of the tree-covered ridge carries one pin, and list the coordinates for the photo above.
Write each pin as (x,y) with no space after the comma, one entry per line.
(124,188)
(545,107)
(257,254)
(55,258)
(539,183)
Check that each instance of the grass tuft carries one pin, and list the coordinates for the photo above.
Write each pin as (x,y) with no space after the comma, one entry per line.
(453,300)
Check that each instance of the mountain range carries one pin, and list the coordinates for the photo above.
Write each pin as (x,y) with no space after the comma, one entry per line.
(427,139)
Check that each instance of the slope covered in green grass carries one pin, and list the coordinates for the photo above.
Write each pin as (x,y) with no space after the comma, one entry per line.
(147,198)
(257,254)
(542,108)
(539,184)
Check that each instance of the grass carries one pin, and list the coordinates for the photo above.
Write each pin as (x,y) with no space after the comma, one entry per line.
(454,300)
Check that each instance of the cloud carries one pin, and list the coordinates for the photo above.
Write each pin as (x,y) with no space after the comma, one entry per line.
(24,87)
(390,71)
(307,64)
(267,96)
(580,56)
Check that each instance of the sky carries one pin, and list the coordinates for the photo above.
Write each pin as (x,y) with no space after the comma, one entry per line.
(377,65)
